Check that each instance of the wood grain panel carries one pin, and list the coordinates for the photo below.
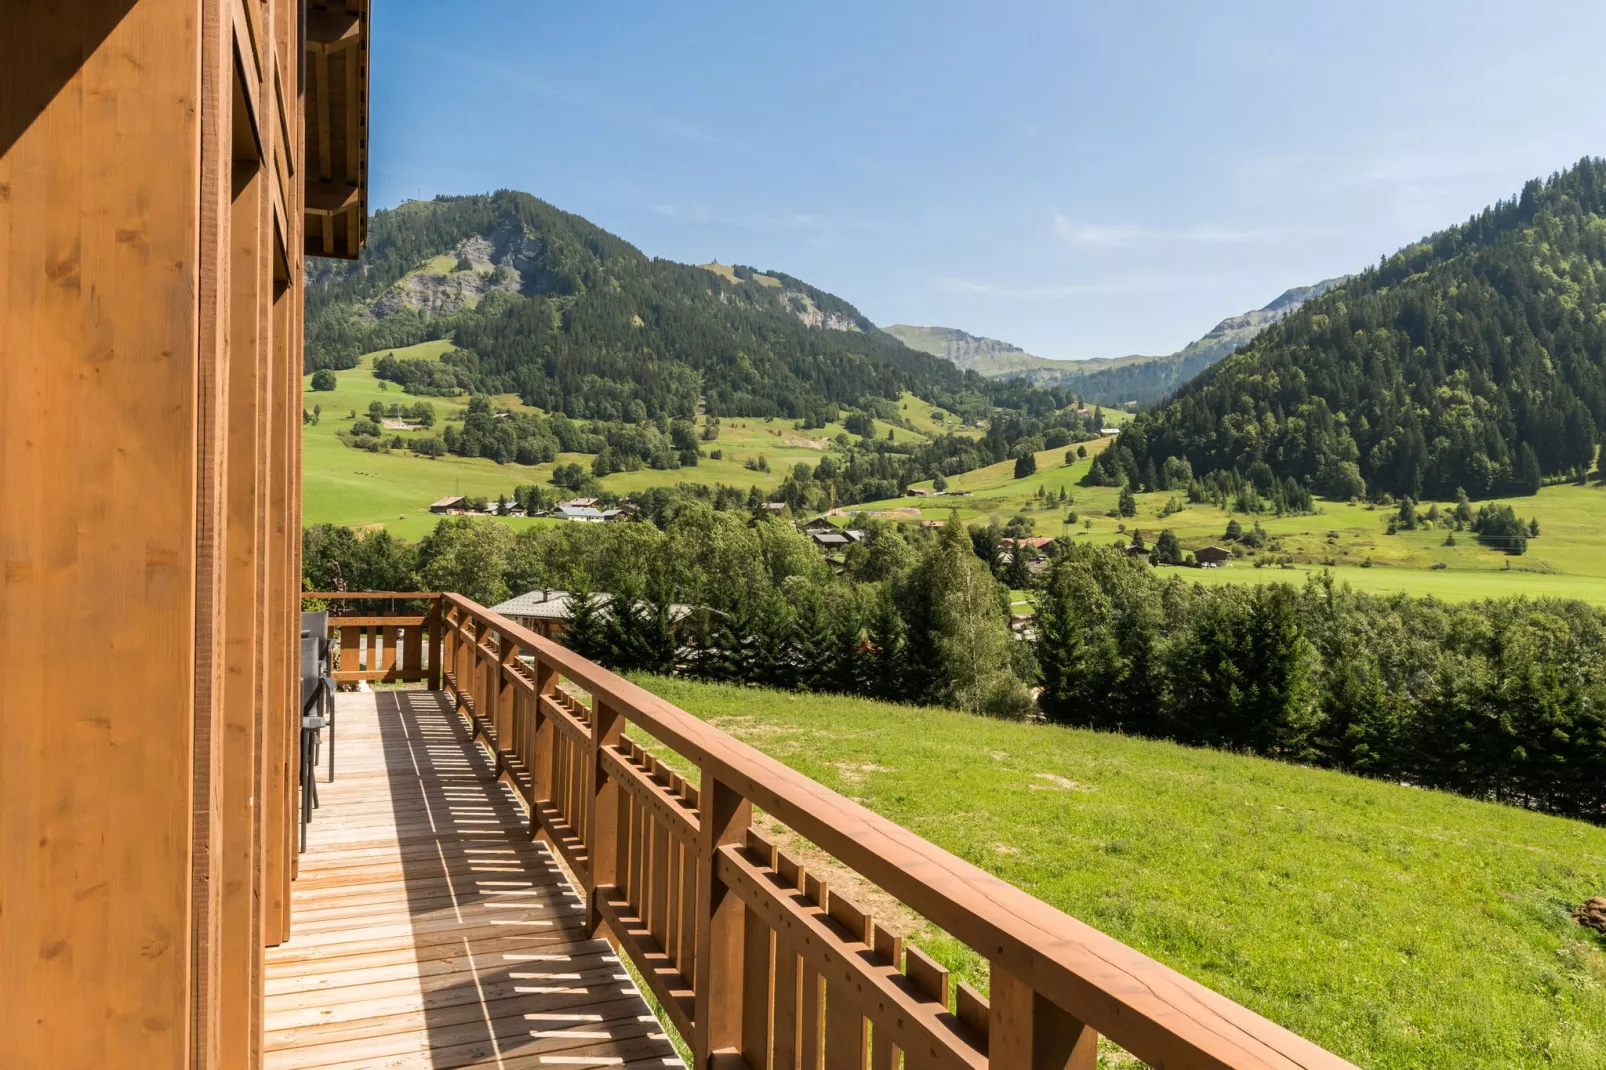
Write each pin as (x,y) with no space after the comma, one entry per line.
(240,935)
(99,196)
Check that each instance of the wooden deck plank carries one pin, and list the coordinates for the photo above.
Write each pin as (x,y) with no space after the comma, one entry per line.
(428,930)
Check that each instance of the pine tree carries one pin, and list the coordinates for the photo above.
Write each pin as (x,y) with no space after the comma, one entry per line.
(586,634)
(1526,476)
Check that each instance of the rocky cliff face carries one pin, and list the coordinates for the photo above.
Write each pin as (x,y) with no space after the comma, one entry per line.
(991,357)
(506,259)
(813,315)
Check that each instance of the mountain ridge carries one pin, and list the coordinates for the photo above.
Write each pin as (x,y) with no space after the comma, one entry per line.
(1114,381)
(544,304)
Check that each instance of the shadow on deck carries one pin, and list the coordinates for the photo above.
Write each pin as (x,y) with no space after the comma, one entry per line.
(428,930)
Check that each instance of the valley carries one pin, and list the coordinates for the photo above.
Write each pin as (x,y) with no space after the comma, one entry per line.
(394,488)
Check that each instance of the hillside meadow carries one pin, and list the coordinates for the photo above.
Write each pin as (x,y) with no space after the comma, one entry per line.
(342,485)
(393,490)
(1399,928)
(1349,538)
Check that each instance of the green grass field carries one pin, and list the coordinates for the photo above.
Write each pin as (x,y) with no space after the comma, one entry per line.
(1565,561)
(347,486)
(1397,927)
(342,485)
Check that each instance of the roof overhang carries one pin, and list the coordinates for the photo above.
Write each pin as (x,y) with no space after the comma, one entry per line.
(336,169)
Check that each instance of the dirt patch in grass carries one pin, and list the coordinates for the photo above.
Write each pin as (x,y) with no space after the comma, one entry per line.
(1055,782)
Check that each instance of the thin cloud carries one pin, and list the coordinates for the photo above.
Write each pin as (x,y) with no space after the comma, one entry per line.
(812,222)
(665,125)
(1113,236)
(1022,293)
(1142,283)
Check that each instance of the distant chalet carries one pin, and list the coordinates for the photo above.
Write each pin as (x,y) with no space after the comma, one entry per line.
(549,612)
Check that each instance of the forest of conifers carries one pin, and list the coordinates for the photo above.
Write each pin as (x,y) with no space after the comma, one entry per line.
(1504,699)
(1473,359)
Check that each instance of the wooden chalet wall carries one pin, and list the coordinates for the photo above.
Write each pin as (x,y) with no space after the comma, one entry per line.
(152,229)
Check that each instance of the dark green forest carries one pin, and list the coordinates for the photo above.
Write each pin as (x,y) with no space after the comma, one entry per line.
(1504,699)
(580,322)
(1475,359)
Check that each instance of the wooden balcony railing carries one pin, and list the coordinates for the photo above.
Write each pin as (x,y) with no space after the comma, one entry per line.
(385,647)
(755,960)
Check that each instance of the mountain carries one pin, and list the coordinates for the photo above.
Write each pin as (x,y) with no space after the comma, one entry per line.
(1114,381)
(544,304)
(1145,381)
(995,359)
(1472,359)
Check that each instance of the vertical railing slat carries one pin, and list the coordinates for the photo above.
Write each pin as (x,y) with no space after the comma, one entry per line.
(602,808)
(412,650)
(1027,1032)
(433,679)
(724,818)
(506,741)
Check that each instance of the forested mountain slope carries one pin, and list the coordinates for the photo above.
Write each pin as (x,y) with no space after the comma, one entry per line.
(1146,381)
(544,304)
(1475,358)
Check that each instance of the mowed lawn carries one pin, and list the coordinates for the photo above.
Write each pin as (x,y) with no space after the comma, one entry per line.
(1397,927)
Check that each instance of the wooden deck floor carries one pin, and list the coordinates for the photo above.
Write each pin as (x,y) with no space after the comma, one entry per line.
(428,930)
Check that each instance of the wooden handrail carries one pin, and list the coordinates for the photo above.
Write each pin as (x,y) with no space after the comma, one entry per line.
(675,875)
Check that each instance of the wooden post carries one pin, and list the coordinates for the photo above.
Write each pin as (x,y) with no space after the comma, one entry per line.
(434,625)
(1027,1032)
(546,680)
(602,820)
(724,818)
(449,646)
(507,656)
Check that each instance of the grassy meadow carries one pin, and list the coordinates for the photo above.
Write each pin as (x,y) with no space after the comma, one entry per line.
(1397,927)
(347,486)
(342,485)
(1565,561)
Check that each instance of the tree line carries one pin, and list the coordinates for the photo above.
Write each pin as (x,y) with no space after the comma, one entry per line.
(1502,699)
(914,616)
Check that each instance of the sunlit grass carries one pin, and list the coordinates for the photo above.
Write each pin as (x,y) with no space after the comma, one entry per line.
(1397,927)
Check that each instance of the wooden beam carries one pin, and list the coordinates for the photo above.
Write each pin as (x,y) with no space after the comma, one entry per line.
(321,85)
(353,130)
(325,197)
(328,232)
(327,28)
(292,158)
(240,926)
(250,73)
(354,231)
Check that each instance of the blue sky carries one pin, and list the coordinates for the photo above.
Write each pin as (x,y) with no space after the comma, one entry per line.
(1080,179)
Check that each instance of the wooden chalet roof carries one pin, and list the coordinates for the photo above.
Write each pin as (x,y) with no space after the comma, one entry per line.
(335,171)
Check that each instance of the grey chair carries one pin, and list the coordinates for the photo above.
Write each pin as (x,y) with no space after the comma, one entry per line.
(316,695)
(316,626)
